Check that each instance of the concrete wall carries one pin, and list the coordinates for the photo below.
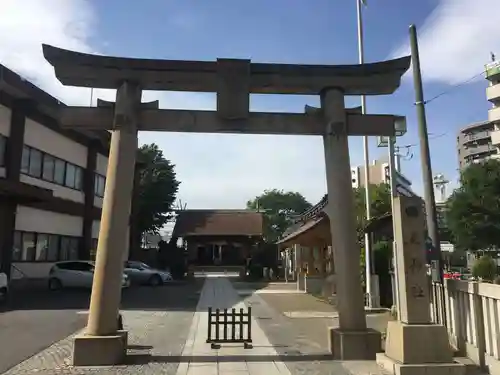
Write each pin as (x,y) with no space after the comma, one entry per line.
(33,220)
(58,190)
(44,139)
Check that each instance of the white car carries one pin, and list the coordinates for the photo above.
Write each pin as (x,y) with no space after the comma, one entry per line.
(141,274)
(75,274)
(4,287)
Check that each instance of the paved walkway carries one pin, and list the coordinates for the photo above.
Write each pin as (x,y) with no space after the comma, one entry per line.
(172,340)
(230,358)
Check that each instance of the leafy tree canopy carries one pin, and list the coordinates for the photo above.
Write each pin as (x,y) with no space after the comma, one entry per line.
(158,187)
(484,268)
(279,208)
(473,210)
(380,203)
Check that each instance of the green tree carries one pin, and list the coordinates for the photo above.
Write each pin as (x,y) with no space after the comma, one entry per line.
(279,208)
(473,210)
(157,189)
(380,204)
(484,268)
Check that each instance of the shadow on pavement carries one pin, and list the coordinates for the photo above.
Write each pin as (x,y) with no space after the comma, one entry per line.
(145,358)
(179,296)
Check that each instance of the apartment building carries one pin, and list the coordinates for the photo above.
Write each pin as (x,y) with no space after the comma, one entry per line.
(474,143)
(379,173)
(493,96)
(51,182)
(481,140)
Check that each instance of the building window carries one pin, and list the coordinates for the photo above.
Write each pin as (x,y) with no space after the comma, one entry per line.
(3,144)
(16,248)
(44,247)
(59,171)
(70,176)
(53,248)
(25,162)
(99,184)
(28,250)
(79,178)
(48,168)
(36,163)
(69,248)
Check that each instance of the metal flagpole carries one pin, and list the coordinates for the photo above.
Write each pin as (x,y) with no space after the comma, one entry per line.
(368,254)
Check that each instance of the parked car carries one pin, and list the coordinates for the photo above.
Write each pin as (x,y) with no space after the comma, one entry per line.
(75,274)
(4,287)
(141,274)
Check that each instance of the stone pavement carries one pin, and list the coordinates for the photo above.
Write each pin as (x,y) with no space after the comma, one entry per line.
(230,358)
(157,334)
(308,316)
(302,343)
(172,341)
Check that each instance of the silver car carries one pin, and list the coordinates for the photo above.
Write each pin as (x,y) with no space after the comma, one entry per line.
(75,274)
(141,274)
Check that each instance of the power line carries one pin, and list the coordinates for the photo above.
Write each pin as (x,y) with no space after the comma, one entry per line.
(460,84)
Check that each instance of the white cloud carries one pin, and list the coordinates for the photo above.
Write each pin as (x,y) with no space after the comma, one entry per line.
(217,171)
(456,40)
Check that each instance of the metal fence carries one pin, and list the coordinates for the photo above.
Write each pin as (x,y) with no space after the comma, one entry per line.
(229,327)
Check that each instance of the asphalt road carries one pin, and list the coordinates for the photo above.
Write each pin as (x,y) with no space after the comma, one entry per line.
(34,320)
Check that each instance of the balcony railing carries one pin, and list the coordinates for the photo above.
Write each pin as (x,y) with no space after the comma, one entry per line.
(493,93)
(494,114)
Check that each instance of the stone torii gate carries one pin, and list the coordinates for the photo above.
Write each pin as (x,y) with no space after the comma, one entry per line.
(233,81)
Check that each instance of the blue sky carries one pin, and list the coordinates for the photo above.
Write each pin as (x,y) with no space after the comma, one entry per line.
(224,171)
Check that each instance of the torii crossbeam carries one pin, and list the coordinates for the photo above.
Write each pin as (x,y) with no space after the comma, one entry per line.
(233,81)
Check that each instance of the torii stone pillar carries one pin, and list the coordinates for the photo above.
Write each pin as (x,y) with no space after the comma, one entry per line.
(352,339)
(102,343)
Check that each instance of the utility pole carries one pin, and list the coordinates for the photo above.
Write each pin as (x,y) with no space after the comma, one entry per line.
(430,202)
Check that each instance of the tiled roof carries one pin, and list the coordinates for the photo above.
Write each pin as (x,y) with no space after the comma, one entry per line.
(218,223)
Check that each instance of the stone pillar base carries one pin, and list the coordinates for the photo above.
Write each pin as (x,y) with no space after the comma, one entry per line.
(100,350)
(354,345)
(418,349)
(398,368)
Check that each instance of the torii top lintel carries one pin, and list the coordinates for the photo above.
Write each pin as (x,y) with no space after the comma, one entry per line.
(85,70)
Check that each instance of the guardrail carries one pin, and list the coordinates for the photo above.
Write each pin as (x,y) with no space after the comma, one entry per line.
(236,327)
(472,319)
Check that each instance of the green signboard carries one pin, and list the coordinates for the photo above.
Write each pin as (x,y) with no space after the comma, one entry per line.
(492,69)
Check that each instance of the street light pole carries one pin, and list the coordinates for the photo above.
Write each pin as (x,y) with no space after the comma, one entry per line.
(368,260)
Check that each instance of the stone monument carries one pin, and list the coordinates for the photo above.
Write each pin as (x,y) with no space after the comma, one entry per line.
(414,345)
